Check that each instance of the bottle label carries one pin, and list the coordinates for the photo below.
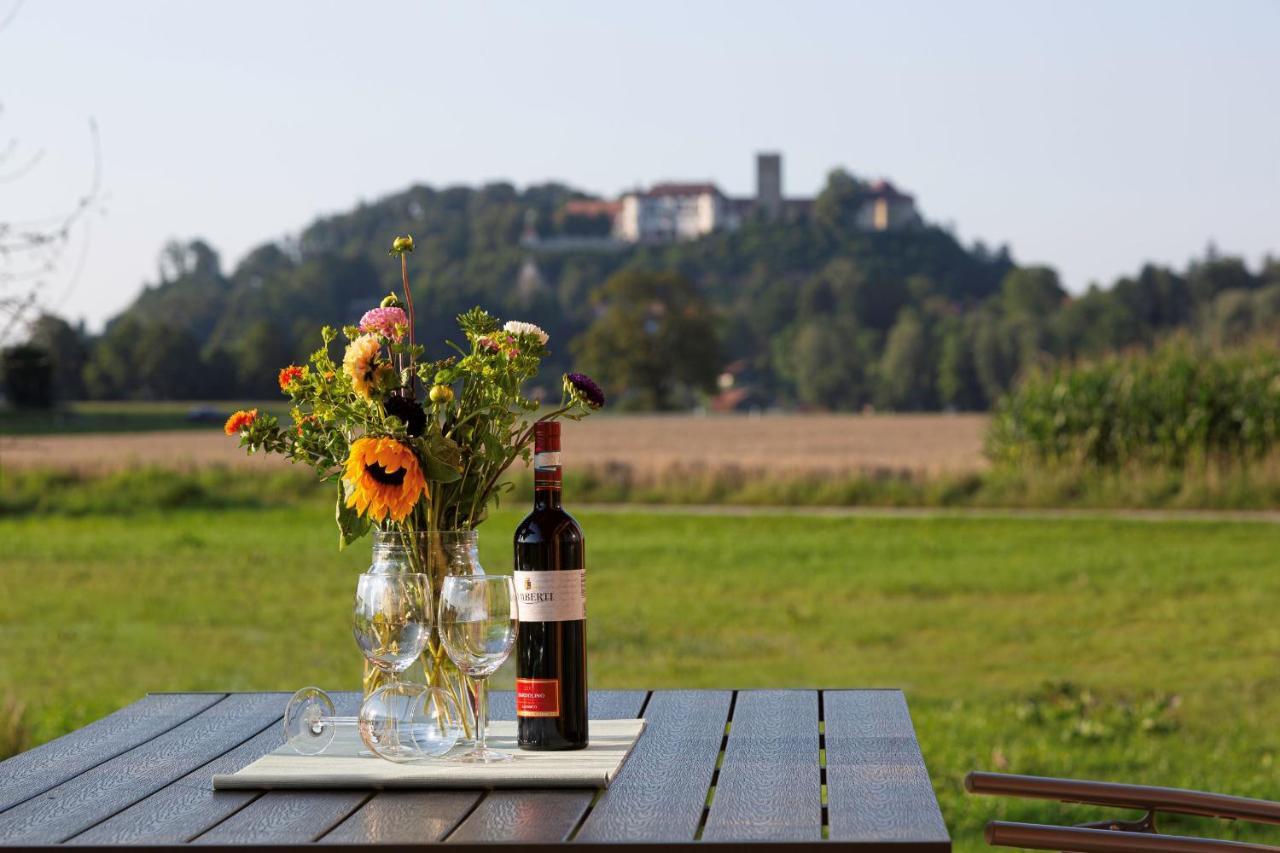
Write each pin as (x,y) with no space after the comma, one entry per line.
(547,459)
(552,596)
(537,697)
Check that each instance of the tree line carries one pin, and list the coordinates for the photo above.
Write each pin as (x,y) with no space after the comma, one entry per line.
(810,313)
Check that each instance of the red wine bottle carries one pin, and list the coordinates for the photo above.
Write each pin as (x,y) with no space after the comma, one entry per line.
(551,648)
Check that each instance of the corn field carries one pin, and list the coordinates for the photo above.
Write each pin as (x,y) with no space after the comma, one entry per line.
(1178,404)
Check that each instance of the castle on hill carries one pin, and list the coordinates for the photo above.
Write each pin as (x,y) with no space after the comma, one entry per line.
(673,211)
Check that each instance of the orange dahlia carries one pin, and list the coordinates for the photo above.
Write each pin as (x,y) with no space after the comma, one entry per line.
(290,375)
(240,421)
(384,477)
(306,420)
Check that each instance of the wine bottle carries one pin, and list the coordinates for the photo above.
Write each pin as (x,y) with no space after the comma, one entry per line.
(551,648)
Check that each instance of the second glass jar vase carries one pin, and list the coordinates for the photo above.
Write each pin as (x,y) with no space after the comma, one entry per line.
(437,553)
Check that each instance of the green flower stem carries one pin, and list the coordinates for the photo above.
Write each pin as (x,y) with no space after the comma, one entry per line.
(408,301)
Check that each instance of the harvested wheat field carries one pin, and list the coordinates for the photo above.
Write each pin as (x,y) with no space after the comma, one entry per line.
(644,443)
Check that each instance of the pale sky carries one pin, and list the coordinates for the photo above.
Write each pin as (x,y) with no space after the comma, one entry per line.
(1089,136)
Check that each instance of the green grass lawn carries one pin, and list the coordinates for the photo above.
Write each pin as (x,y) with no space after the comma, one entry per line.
(123,416)
(1138,651)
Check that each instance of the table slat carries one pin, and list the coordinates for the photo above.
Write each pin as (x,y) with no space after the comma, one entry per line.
(770,785)
(405,817)
(284,817)
(95,795)
(877,786)
(189,806)
(532,816)
(35,771)
(524,817)
(661,792)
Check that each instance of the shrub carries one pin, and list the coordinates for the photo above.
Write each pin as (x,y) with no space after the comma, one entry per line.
(1180,403)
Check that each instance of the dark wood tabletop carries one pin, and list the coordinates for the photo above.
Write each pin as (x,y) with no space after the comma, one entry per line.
(782,769)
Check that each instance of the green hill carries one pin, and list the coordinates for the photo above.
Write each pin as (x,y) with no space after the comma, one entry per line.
(811,312)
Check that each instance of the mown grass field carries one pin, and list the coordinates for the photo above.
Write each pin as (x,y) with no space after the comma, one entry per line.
(1110,649)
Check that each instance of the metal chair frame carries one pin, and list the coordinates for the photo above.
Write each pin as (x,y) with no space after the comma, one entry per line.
(1118,836)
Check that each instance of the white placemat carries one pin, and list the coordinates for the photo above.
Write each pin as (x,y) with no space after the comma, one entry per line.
(342,765)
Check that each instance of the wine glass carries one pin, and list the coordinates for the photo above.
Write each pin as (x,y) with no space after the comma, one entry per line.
(392,618)
(399,722)
(478,624)
(391,621)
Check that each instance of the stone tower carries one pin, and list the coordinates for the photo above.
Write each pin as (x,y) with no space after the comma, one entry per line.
(769,185)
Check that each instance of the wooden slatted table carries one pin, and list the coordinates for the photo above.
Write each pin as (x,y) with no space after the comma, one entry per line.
(779,769)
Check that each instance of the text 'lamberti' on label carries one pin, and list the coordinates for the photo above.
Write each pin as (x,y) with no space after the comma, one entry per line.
(552,596)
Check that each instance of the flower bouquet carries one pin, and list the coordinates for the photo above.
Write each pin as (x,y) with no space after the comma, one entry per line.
(418,470)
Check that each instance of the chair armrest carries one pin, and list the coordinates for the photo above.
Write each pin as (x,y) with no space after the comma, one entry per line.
(1145,797)
(1035,837)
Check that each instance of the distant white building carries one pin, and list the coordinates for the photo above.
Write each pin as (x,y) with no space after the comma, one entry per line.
(670,212)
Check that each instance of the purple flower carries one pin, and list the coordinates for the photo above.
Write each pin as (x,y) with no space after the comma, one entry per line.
(408,412)
(583,387)
(388,322)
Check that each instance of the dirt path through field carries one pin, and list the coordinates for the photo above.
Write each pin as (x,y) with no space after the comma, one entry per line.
(647,443)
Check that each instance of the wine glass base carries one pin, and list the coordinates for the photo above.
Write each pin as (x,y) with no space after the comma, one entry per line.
(482,756)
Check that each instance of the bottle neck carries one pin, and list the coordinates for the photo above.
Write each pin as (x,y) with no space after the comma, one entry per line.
(546,480)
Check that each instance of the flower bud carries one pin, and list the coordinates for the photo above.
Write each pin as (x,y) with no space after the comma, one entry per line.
(441,394)
(401,245)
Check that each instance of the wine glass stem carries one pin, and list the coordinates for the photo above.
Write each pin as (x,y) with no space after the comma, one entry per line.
(481,704)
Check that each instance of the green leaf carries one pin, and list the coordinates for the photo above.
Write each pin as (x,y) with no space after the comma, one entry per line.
(351,525)
(441,457)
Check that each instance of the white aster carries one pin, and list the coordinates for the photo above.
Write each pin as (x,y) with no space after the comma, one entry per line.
(519,327)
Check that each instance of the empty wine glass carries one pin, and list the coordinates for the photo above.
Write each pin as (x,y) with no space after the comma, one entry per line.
(398,722)
(478,625)
(391,621)
(392,617)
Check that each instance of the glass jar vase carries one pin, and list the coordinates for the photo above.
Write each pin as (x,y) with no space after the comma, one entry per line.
(437,553)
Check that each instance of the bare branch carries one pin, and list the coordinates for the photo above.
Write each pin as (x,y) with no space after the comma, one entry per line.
(32,252)
(10,15)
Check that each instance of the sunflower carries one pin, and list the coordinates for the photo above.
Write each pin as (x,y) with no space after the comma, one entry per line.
(384,477)
(360,363)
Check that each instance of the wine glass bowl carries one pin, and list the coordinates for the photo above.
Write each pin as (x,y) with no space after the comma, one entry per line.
(408,722)
(478,623)
(309,721)
(391,619)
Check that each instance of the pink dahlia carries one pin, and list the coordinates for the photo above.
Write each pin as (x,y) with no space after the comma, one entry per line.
(388,322)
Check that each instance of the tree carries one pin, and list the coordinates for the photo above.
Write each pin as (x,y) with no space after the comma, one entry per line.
(28,373)
(905,371)
(1032,291)
(259,354)
(828,363)
(68,351)
(145,361)
(958,384)
(653,341)
(995,356)
(1215,274)
(836,207)
(1230,317)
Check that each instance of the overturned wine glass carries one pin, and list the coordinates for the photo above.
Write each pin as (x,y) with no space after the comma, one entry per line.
(399,722)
